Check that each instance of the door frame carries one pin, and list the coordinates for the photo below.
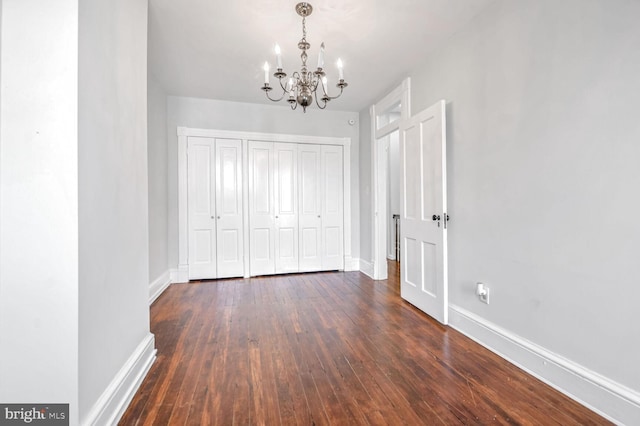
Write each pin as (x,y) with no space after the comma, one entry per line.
(379,157)
(184,133)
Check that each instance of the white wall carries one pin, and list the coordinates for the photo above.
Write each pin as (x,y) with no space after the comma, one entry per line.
(543,131)
(158,181)
(223,115)
(39,192)
(113,217)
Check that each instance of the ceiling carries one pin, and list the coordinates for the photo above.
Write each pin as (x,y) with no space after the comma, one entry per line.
(216,48)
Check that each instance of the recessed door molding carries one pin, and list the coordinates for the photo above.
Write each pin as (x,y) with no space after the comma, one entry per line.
(184,133)
(398,99)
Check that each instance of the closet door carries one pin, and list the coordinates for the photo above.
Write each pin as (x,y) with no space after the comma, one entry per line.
(261,208)
(229,235)
(201,208)
(309,182)
(286,207)
(332,207)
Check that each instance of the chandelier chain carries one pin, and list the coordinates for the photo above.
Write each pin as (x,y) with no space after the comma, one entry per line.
(304,28)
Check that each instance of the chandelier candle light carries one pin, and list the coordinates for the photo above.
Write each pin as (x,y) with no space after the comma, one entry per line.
(304,86)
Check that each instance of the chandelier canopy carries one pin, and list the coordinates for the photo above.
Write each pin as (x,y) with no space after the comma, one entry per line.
(304,86)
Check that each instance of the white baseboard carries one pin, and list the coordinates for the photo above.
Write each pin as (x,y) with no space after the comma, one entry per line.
(366,268)
(159,285)
(179,274)
(115,399)
(351,264)
(610,399)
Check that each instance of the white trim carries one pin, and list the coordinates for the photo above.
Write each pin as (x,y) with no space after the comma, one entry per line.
(351,264)
(183,133)
(113,402)
(183,224)
(401,94)
(366,268)
(261,136)
(610,399)
(179,274)
(245,204)
(346,204)
(374,195)
(159,285)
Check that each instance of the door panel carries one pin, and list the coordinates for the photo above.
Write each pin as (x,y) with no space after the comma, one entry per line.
(423,272)
(286,212)
(229,239)
(201,217)
(229,208)
(332,207)
(203,252)
(261,183)
(261,208)
(310,210)
(311,243)
(411,170)
(429,268)
(412,257)
(333,242)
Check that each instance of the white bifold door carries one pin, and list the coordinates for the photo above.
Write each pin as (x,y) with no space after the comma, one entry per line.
(332,200)
(261,208)
(295,207)
(215,228)
(310,223)
(423,228)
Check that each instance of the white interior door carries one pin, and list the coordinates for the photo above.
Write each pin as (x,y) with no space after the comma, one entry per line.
(261,208)
(332,216)
(286,207)
(229,235)
(423,212)
(310,211)
(201,208)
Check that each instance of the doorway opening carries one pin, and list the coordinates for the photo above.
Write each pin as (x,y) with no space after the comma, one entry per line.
(393,196)
(386,116)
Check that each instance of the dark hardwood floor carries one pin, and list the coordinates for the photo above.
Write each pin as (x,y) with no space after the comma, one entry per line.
(326,348)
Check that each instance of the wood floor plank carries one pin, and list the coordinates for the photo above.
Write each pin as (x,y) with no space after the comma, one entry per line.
(328,348)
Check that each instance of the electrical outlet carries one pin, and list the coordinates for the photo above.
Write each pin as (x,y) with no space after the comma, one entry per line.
(483,292)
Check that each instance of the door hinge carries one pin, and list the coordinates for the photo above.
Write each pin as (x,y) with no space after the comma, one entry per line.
(445,219)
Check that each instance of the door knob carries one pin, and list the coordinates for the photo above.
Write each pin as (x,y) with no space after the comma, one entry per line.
(434,217)
(318,216)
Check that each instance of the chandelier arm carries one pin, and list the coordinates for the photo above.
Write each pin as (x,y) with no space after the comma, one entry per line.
(336,96)
(341,85)
(275,100)
(324,105)
(284,88)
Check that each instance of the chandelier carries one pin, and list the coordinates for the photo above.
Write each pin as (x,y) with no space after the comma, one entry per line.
(304,86)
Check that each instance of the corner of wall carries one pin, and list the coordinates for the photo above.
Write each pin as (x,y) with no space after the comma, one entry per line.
(159,285)
(113,402)
(366,268)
